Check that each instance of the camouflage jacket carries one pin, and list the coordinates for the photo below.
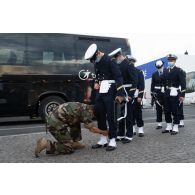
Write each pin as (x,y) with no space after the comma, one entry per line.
(69,114)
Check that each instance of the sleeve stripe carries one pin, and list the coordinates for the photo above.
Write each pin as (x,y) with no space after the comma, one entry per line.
(119,87)
(141,92)
(132,89)
(183,91)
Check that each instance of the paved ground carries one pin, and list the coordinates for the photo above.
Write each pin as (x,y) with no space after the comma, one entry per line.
(154,147)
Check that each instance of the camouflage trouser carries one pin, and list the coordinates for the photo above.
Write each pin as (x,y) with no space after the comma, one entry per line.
(64,137)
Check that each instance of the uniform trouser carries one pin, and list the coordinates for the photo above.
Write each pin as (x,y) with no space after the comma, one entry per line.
(137,114)
(65,135)
(159,109)
(104,109)
(181,115)
(127,122)
(172,109)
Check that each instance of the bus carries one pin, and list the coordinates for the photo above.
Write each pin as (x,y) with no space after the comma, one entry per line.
(39,71)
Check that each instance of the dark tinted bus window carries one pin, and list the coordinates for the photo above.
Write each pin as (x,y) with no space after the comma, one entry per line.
(12,49)
(50,49)
(104,44)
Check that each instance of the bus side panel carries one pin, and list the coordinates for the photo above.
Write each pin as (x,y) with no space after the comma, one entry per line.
(13,93)
(70,88)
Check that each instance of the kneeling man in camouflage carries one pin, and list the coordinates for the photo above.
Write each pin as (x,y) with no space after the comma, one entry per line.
(64,124)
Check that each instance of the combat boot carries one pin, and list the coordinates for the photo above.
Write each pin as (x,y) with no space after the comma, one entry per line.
(51,147)
(42,144)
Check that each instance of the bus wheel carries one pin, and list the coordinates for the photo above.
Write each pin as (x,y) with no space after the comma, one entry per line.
(48,104)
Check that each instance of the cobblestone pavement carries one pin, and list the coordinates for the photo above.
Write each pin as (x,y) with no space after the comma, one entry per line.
(154,147)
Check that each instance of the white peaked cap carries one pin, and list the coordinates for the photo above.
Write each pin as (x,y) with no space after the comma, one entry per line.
(172,56)
(92,49)
(113,53)
(159,63)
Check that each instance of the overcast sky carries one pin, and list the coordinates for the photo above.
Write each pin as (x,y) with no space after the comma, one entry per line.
(149,47)
(153,27)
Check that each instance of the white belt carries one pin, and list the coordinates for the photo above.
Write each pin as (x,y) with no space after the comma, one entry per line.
(105,85)
(127,85)
(160,88)
(173,88)
(173,91)
(110,81)
(156,87)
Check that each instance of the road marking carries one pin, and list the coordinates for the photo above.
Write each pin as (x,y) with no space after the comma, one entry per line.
(23,134)
(10,129)
(188,115)
(42,126)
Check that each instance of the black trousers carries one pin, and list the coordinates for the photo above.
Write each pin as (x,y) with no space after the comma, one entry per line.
(172,109)
(104,111)
(159,109)
(127,123)
(137,114)
(181,114)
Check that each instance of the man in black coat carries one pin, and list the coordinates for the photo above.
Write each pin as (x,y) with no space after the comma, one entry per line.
(175,87)
(130,81)
(109,82)
(181,113)
(157,91)
(138,97)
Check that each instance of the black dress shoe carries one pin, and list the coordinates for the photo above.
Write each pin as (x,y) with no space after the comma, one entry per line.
(110,148)
(126,141)
(159,127)
(141,134)
(134,133)
(181,126)
(166,131)
(96,146)
(174,133)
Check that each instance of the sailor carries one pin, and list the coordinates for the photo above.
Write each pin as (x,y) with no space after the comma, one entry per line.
(181,113)
(175,86)
(157,91)
(109,82)
(130,81)
(137,105)
(181,116)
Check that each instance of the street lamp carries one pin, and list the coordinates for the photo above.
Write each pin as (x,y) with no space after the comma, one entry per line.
(186,52)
